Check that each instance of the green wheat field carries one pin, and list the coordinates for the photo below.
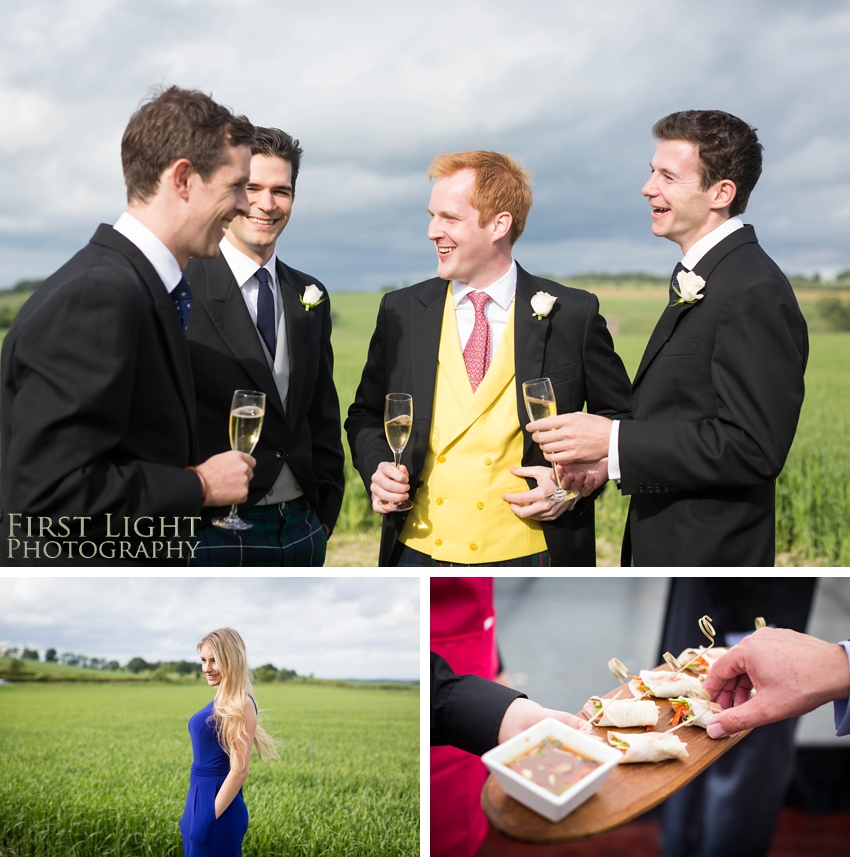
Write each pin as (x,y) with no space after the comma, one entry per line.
(103,770)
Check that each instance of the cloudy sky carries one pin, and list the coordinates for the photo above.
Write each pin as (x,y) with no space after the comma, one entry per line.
(374,89)
(332,627)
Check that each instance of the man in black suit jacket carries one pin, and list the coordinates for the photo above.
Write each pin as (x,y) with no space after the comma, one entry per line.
(716,401)
(718,393)
(479,205)
(97,417)
(275,337)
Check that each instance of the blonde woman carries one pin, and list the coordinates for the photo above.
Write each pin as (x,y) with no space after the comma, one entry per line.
(215,819)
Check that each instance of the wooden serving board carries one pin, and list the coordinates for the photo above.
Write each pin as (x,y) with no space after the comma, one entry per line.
(629,791)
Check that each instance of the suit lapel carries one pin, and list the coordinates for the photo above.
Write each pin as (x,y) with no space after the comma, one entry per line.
(426,321)
(671,315)
(227,309)
(530,336)
(663,331)
(299,324)
(173,335)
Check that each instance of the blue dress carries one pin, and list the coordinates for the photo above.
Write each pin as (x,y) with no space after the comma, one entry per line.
(204,835)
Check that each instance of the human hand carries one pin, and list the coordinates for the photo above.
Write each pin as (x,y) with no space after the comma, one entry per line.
(572,438)
(533,504)
(390,485)
(791,673)
(584,478)
(226,477)
(522,713)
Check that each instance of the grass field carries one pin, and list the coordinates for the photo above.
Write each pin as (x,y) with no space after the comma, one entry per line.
(813,497)
(103,771)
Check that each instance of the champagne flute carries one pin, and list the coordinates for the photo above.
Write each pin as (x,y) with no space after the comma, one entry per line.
(540,402)
(398,421)
(246,420)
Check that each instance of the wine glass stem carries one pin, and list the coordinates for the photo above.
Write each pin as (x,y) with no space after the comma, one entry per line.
(234,511)
(397,457)
(560,494)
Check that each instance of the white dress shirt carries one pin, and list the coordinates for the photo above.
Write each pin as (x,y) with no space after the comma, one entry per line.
(244,271)
(689,260)
(496,310)
(155,251)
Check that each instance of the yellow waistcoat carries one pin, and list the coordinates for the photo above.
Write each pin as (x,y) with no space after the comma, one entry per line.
(458,514)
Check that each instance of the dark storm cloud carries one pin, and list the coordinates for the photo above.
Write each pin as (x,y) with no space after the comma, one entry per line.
(375,90)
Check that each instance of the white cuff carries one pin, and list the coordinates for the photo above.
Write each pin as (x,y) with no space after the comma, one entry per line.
(614,451)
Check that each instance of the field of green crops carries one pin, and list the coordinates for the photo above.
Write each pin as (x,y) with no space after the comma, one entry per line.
(103,771)
(813,491)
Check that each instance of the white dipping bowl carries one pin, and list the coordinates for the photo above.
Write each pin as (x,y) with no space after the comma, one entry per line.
(546,803)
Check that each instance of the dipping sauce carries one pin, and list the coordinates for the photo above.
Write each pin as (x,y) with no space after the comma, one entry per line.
(552,767)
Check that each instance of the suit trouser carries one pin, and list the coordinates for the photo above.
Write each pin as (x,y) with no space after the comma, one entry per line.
(731,810)
(284,534)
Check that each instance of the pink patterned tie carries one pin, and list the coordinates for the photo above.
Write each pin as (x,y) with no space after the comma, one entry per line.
(476,355)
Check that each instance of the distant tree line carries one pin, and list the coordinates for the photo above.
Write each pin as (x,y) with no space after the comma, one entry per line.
(160,670)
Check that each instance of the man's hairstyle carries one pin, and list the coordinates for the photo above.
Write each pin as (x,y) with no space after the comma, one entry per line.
(178,123)
(501,184)
(728,149)
(275,143)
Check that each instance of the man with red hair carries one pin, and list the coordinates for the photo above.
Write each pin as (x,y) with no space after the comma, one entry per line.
(462,344)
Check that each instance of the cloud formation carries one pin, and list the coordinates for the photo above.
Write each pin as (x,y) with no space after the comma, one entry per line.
(374,90)
(333,627)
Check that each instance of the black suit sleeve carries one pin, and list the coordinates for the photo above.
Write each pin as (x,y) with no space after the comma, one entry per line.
(608,389)
(82,388)
(323,418)
(759,356)
(466,710)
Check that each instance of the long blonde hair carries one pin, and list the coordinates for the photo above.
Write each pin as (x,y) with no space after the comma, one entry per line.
(236,684)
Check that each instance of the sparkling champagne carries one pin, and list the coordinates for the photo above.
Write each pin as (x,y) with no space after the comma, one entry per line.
(245,425)
(398,431)
(539,409)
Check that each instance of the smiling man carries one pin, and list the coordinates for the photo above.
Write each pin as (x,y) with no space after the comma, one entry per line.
(258,324)
(98,429)
(462,344)
(717,395)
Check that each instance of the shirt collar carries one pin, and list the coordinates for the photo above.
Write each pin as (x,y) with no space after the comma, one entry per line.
(162,259)
(502,291)
(707,242)
(242,266)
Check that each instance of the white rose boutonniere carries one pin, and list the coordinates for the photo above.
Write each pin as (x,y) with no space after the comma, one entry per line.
(313,296)
(542,304)
(690,285)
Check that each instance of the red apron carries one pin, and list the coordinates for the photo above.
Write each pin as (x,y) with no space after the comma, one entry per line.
(463,631)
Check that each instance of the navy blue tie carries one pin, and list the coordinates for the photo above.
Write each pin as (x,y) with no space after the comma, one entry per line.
(674,283)
(265,311)
(182,297)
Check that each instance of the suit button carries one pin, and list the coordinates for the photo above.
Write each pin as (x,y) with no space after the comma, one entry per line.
(640,489)
(438,542)
(473,547)
(487,461)
(280,453)
(442,459)
(439,501)
(479,505)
